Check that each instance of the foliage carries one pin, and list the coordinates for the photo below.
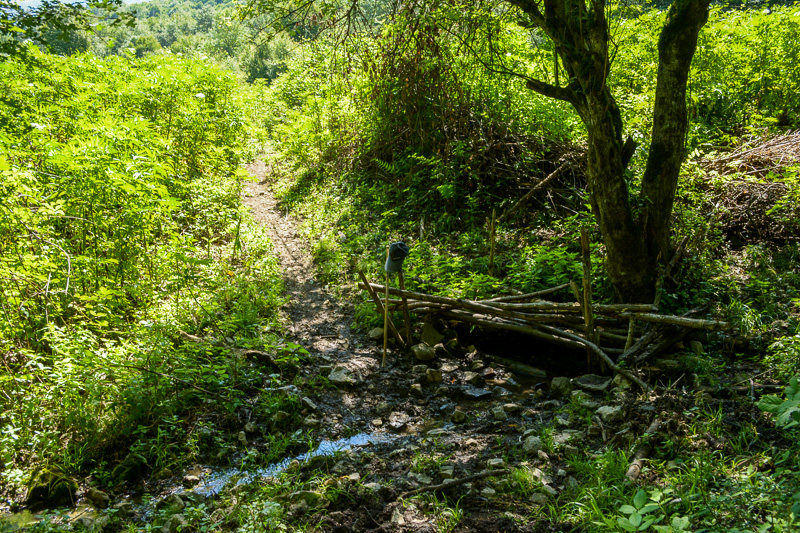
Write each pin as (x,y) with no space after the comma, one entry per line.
(121,228)
(787,412)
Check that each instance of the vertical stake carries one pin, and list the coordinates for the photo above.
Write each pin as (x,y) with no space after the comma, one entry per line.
(406,317)
(491,240)
(588,317)
(386,315)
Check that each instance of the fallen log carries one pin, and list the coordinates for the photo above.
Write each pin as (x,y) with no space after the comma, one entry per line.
(677,321)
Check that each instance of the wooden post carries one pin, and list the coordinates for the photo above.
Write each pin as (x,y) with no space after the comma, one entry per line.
(587,292)
(406,317)
(386,315)
(491,240)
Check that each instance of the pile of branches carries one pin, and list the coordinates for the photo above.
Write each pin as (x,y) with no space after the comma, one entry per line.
(632,332)
(747,204)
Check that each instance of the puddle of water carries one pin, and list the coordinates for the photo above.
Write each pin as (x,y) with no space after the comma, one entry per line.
(214,482)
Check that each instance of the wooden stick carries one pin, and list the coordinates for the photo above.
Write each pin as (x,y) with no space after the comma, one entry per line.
(386,315)
(453,483)
(535,188)
(642,452)
(518,297)
(587,293)
(631,329)
(379,306)
(677,320)
(491,240)
(406,317)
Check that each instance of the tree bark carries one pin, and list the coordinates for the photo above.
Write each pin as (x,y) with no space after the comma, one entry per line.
(634,245)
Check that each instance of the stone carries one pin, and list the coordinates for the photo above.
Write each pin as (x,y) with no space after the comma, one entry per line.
(242,437)
(608,413)
(51,488)
(488,492)
(172,503)
(176,522)
(98,498)
(383,407)
(398,421)
(560,387)
(123,509)
(551,404)
(512,408)
(474,393)
(250,427)
(452,347)
(449,367)
(433,376)
(499,414)
(377,422)
(550,490)
(422,479)
(621,382)
(568,435)
(495,463)
(539,498)
(419,370)
(397,517)
(500,391)
(532,444)
(308,404)
(697,347)
(310,421)
(488,373)
(442,391)
(441,351)
(592,382)
(458,417)
(190,480)
(447,472)
(476,365)
(341,375)
(312,498)
(416,390)
(562,421)
(280,416)
(375,334)
(355,477)
(430,335)
(474,379)
(423,352)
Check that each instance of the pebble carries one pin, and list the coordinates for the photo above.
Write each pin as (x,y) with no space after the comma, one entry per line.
(495,463)
(499,414)
(423,352)
(458,417)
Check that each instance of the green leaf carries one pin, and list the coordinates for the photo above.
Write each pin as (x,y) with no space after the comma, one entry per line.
(636,519)
(640,499)
(649,508)
(769,403)
(627,509)
(625,524)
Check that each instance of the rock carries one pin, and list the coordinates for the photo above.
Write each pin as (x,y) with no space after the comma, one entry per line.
(621,382)
(398,421)
(280,416)
(499,414)
(500,391)
(308,404)
(341,375)
(560,387)
(313,499)
(422,479)
(452,347)
(568,435)
(474,379)
(423,352)
(377,422)
(697,347)
(551,404)
(474,392)
(488,373)
(242,438)
(164,473)
(442,391)
(608,413)
(446,472)
(584,399)
(532,444)
(98,498)
(592,382)
(539,498)
(310,421)
(416,390)
(250,427)
(495,463)
(488,492)
(375,334)
(550,490)
(433,376)
(355,477)
(667,365)
(430,335)
(172,503)
(449,367)
(383,407)
(441,351)
(176,522)
(562,421)
(512,408)
(130,469)
(419,370)
(94,524)
(397,517)
(190,480)
(52,489)
(123,509)
(511,384)
(458,417)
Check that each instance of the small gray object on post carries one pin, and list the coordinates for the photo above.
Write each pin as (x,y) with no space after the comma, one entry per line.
(398,251)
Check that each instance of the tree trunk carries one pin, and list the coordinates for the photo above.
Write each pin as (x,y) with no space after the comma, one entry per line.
(634,247)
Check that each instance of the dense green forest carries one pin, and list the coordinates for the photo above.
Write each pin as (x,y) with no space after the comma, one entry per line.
(144,334)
